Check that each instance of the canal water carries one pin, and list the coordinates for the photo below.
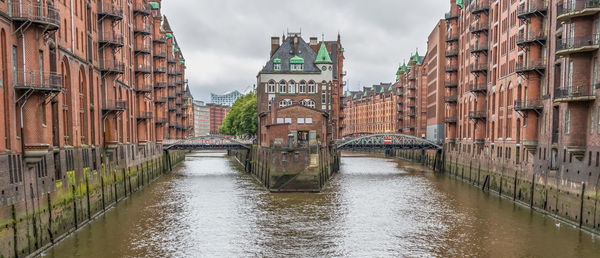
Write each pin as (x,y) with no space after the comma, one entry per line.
(374,207)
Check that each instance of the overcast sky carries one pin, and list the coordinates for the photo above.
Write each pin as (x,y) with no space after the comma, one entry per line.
(226,42)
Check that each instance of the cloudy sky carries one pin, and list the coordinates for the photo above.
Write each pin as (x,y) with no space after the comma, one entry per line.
(226,42)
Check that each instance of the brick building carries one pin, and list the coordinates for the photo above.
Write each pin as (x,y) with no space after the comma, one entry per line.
(372,110)
(201,119)
(216,114)
(85,83)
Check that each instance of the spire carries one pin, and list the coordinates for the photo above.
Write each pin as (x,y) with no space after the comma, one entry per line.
(323,56)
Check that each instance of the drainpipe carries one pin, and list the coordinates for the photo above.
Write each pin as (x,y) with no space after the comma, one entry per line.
(72,33)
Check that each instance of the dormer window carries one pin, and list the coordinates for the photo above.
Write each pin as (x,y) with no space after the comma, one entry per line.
(296,64)
(277,64)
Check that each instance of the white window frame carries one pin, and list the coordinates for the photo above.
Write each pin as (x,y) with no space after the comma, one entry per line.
(311,87)
(567,121)
(308,120)
(300,120)
(282,87)
(277,67)
(302,87)
(292,87)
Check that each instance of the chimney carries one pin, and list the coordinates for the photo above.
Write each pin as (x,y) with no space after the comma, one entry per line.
(274,44)
(313,41)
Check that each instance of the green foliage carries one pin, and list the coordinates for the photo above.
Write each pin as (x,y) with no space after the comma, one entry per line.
(242,119)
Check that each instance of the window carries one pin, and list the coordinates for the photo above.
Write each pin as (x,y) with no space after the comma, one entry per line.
(14,59)
(288,120)
(323,98)
(282,87)
(592,121)
(570,78)
(594,74)
(277,67)
(308,103)
(285,103)
(308,120)
(280,120)
(302,87)
(292,87)
(296,67)
(300,120)
(567,121)
(598,121)
(271,87)
(311,87)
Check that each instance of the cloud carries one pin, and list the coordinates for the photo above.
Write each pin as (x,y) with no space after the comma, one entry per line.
(226,42)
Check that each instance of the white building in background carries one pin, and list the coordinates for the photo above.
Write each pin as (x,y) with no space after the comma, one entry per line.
(226,99)
(201,118)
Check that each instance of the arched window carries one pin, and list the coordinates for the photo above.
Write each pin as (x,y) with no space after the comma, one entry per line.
(271,86)
(282,87)
(308,103)
(292,87)
(302,87)
(285,102)
(311,87)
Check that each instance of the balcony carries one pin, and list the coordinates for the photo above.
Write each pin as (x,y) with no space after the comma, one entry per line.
(112,67)
(451,15)
(160,53)
(451,68)
(477,115)
(114,105)
(144,115)
(478,28)
(143,68)
(587,43)
(479,68)
(450,120)
(533,37)
(172,71)
(536,65)
(450,84)
(160,40)
(141,28)
(37,13)
(161,100)
(577,8)
(479,48)
(160,69)
(451,99)
(534,8)
(142,89)
(142,48)
(33,80)
(160,85)
(411,77)
(114,12)
(412,114)
(142,8)
(452,53)
(160,120)
(452,37)
(171,60)
(480,7)
(110,39)
(477,87)
(574,94)
(528,105)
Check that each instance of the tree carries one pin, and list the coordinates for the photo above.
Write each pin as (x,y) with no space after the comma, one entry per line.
(242,118)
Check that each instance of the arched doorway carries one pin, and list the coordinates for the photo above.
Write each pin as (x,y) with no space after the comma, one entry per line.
(83,107)
(67,103)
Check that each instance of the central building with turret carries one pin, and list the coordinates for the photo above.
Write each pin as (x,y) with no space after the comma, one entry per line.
(297,93)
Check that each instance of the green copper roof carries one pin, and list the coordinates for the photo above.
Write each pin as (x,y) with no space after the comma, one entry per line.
(382,90)
(390,88)
(154,5)
(176,49)
(398,72)
(364,95)
(342,50)
(181,62)
(277,61)
(323,56)
(459,3)
(296,60)
(354,97)
(403,68)
(415,58)
(169,35)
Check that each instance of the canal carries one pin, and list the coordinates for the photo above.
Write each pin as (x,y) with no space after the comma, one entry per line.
(374,207)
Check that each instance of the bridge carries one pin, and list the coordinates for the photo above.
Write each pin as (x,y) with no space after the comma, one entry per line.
(385,141)
(210,142)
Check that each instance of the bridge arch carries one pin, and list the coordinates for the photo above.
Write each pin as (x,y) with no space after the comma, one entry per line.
(387,141)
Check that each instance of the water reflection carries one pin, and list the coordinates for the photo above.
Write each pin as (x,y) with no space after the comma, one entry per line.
(374,207)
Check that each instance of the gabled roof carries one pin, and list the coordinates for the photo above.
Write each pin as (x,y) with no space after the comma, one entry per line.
(323,56)
(286,54)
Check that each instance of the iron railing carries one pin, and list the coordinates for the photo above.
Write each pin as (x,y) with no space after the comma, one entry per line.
(452,36)
(110,38)
(577,6)
(450,83)
(577,42)
(144,115)
(479,27)
(531,36)
(143,28)
(477,87)
(114,104)
(451,68)
(574,92)
(142,48)
(477,114)
(452,52)
(143,68)
(142,8)
(529,104)
(35,12)
(480,47)
(480,6)
(33,79)
(106,9)
(479,67)
(530,65)
(532,7)
(450,119)
(451,99)
(107,66)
